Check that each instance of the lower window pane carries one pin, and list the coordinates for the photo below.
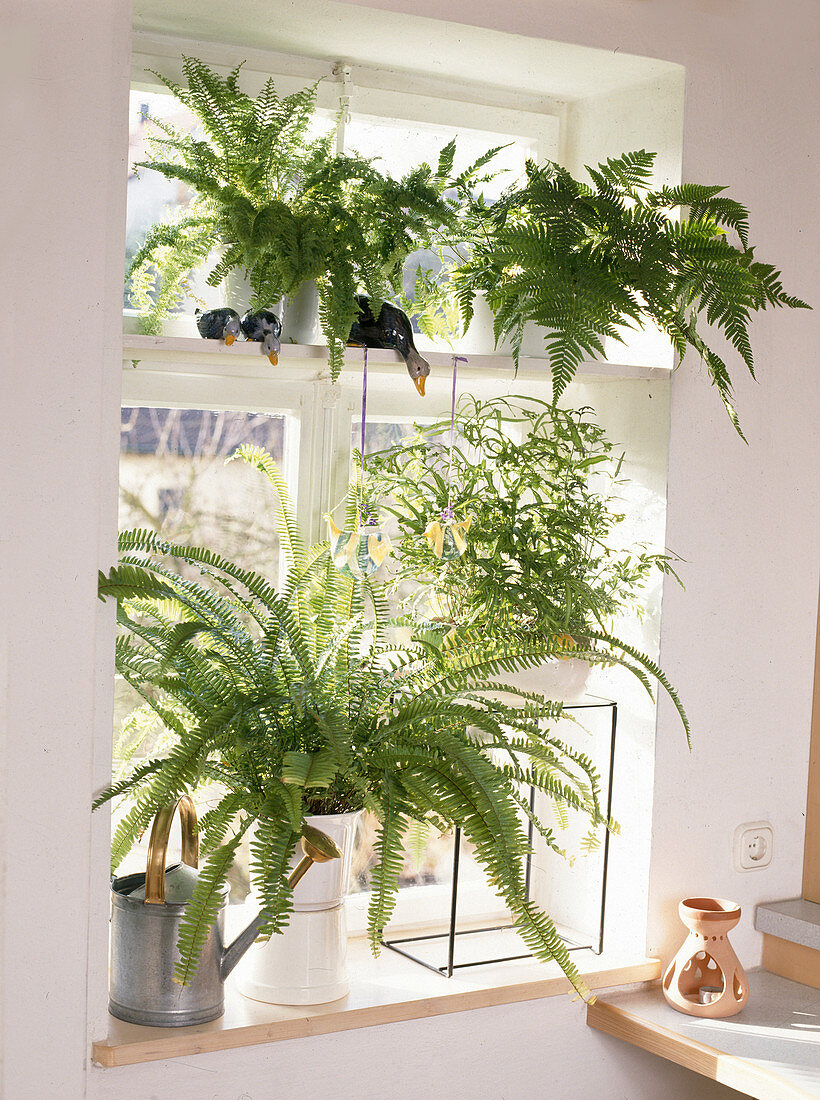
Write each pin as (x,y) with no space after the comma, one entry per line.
(174,480)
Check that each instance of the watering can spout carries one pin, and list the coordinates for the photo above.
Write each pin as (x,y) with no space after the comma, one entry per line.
(317,847)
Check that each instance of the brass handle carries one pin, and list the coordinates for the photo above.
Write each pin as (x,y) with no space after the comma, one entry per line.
(158,846)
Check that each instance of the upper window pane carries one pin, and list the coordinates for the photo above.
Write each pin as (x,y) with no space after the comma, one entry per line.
(174,479)
(151,195)
(401,146)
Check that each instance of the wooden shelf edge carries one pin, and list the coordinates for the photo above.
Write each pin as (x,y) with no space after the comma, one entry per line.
(179,1042)
(705,1060)
(791,960)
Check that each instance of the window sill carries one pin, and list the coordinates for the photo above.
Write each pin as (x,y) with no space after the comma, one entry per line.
(383,991)
(246,359)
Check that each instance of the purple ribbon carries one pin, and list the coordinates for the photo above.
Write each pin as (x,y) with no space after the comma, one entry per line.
(362,518)
(447,515)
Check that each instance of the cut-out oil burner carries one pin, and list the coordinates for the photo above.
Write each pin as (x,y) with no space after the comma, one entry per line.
(705,978)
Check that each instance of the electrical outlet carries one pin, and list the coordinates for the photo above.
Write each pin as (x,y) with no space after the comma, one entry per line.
(754,842)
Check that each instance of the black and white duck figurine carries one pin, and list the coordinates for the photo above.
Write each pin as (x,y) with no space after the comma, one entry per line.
(391,330)
(218,324)
(265,328)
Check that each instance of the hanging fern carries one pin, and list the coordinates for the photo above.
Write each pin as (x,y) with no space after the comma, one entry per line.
(581,261)
(543,485)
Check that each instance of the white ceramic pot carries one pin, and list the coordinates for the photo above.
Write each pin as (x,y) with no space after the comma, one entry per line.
(300,323)
(307,963)
(564,680)
(479,339)
(181,324)
(532,343)
(233,291)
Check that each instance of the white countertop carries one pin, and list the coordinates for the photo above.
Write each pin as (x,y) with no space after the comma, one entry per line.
(770,1050)
(796,920)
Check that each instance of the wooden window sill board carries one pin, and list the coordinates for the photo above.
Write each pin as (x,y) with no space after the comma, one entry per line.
(770,1050)
(386,990)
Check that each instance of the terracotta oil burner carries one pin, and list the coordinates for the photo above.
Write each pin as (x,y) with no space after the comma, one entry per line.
(705,978)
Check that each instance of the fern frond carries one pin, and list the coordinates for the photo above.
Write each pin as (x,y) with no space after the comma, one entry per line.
(201,911)
(388,848)
(583,261)
(127,784)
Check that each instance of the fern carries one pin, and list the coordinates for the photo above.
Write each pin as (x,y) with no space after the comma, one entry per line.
(542,485)
(580,261)
(389,854)
(124,786)
(215,823)
(281,206)
(298,701)
(202,909)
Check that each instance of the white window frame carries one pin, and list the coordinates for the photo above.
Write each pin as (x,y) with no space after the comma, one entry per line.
(373,92)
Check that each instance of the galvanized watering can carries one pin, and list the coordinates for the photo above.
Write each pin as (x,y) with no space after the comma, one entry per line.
(146,911)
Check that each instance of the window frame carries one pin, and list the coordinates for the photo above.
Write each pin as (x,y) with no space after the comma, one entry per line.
(370,91)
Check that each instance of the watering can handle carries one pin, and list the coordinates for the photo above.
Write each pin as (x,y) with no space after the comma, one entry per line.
(158,846)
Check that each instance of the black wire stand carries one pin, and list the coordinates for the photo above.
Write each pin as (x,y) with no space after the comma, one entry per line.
(454,934)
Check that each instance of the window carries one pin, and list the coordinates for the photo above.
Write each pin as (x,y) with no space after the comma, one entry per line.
(405,131)
(191,407)
(166,390)
(175,479)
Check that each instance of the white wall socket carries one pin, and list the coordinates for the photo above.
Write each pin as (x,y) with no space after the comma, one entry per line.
(754,842)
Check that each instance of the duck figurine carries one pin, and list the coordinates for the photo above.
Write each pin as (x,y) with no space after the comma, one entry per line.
(392,329)
(265,328)
(218,324)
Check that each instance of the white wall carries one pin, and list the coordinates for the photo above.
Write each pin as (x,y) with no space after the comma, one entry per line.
(63,146)
(738,643)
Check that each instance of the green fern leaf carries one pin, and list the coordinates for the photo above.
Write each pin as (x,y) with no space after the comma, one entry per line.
(201,911)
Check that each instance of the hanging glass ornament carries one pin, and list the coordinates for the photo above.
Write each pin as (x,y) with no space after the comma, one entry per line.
(360,552)
(447,535)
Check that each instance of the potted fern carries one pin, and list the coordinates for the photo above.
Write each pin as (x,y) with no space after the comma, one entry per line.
(281,206)
(540,484)
(299,702)
(582,261)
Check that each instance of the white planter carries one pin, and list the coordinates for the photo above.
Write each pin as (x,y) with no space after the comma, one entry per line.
(234,291)
(307,963)
(563,680)
(479,338)
(300,323)
(532,343)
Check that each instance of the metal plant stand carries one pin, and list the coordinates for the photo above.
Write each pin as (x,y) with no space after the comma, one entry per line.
(455,935)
